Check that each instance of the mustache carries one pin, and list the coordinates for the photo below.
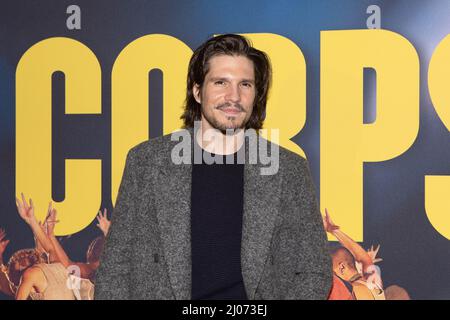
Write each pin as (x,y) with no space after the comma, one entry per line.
(228,105)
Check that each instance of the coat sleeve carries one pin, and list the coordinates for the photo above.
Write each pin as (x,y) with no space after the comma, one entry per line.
(312,276)
(113,277)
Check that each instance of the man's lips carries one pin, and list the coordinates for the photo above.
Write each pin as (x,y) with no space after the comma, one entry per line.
(231,110)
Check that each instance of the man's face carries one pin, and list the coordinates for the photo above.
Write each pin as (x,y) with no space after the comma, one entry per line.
(228,93)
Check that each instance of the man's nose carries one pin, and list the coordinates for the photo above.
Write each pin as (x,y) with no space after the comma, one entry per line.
(233,94)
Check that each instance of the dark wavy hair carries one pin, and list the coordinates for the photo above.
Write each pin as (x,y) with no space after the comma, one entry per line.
(233,45)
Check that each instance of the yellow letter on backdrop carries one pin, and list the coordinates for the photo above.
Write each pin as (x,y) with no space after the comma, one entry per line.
(437,188)
(34,129)
(286,106)
(346,142)
(129,104)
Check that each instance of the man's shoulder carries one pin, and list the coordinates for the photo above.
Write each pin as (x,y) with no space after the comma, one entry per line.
(151,145)
(155,149)
(288,159)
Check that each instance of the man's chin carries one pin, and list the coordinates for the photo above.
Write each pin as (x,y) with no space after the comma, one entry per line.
(231,129)
(223,126)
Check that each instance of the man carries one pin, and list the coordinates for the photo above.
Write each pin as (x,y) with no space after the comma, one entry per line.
(366,284)
(216,231)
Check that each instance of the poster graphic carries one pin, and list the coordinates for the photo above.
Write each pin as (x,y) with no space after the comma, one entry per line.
(360,89)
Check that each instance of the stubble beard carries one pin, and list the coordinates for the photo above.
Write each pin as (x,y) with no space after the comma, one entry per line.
(230,124)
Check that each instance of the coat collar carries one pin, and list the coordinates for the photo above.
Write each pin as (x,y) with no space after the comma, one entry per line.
(261,199)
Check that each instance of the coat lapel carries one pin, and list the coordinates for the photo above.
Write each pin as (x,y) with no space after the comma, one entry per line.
(173,206)
(173,203)
(261,203)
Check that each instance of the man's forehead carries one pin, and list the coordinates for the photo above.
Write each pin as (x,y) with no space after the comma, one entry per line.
(230,63)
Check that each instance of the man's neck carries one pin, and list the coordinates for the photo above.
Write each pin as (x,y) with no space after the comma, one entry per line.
(214,141)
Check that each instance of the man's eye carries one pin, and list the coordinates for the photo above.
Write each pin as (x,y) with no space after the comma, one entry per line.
(219,82)
(247,84)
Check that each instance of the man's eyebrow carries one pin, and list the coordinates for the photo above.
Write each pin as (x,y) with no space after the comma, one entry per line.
(218,78)
(227,79)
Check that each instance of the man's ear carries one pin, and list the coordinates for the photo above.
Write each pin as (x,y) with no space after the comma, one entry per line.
(341,268)
(196,92)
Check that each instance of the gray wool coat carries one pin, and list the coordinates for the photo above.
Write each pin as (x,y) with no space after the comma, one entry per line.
(147,254)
